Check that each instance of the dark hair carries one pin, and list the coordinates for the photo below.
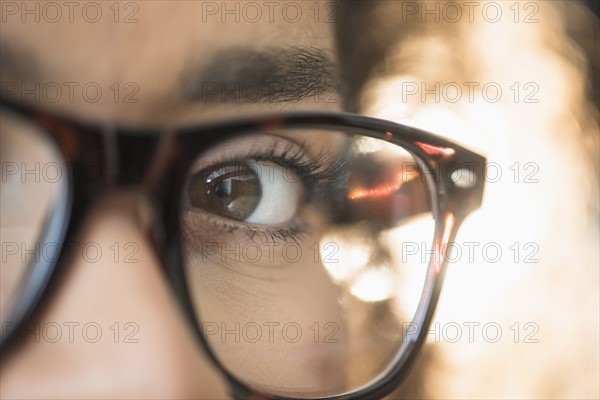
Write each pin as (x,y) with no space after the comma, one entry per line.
(365,34)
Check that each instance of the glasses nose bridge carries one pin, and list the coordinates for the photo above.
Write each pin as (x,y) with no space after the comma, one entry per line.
(138,203)
(130,157)
(145,174)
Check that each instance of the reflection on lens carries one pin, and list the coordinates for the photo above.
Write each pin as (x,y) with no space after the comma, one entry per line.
(312,297)
(33,181)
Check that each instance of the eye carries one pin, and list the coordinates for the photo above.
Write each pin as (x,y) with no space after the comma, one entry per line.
(255,192)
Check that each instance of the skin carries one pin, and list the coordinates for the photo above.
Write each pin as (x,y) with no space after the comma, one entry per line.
(161,53)
(263,287)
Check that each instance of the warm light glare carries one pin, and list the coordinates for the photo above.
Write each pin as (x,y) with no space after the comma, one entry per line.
(534,207)
(410,245)
(382,190)
(351,254)
(436,150)
(375,284)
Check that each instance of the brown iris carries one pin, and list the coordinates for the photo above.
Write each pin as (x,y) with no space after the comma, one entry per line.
(231,191)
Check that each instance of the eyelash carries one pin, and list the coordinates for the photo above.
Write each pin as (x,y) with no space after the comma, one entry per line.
(321,174)
(322,170)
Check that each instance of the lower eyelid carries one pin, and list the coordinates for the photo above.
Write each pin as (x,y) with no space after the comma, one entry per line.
(202,226)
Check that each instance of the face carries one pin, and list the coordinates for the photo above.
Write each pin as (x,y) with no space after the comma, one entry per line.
(272,250)
(167,68)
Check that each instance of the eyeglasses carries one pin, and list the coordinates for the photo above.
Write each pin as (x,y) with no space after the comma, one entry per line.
(307,249)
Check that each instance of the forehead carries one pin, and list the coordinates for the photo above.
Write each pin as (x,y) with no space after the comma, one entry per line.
(162,56)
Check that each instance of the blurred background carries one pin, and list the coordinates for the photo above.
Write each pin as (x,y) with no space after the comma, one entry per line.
(518,82)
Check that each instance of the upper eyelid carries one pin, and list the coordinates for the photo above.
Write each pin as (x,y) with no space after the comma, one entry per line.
(319,168)
(279,149)
(246,147)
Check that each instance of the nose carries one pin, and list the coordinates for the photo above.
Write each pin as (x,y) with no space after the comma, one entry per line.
(112,329)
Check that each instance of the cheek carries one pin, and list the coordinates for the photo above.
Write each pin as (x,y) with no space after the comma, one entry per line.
(274,321)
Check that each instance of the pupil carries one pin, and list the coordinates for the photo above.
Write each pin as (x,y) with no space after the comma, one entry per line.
(223,189)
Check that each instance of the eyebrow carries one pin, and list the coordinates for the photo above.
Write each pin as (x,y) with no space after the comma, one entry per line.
(18,65)
(276,75)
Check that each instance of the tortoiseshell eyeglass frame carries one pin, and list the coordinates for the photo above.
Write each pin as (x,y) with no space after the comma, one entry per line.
(155,162)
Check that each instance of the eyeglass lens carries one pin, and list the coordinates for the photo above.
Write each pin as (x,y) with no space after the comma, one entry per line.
(295,245)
